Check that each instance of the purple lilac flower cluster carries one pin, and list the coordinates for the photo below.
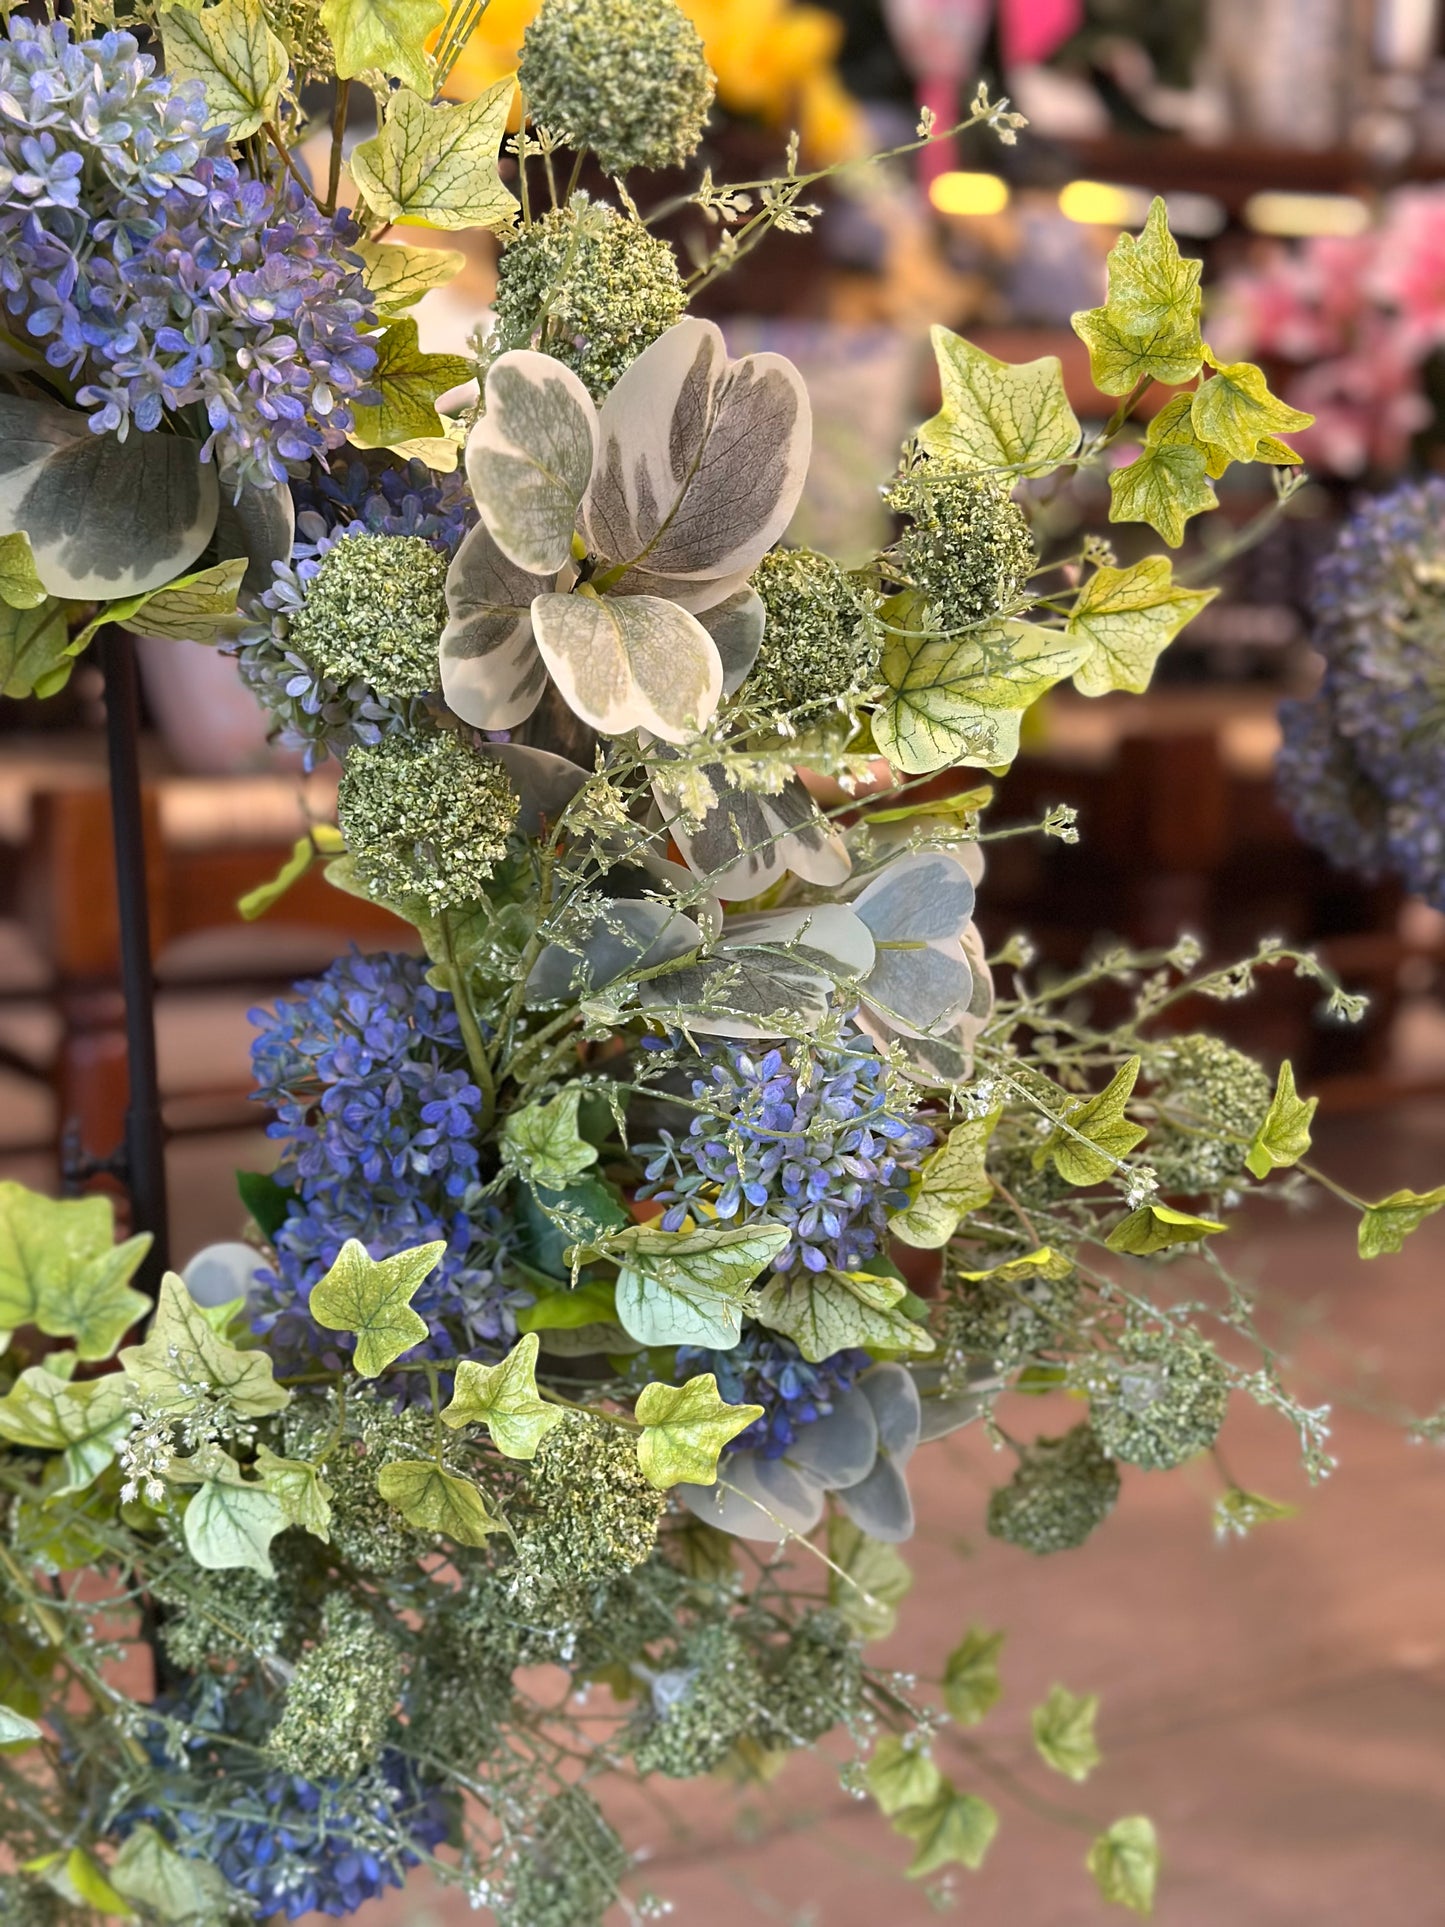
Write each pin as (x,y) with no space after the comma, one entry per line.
(377,1116)
(358,497)
(808,1135)
(179,282)
(1362,767)
(765,1369)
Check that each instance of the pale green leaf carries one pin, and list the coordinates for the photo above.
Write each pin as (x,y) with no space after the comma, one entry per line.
(832,1311)
(1064,1733)
(230,1525)
(1168,480)
(36,649)
(397,277)
(299,1489)
(1386,1225)
(870,1580)
(177,1888)
(685,1427)
(901,1773)
(999,415)
(687,1287)
(1130,616)
(505,1399)
(951,1182)
(952,1829)
(194,608)
(1155,1227)
(530,458)
(184,1361)
(971,1685)
(372,1298)
(542,1144)
(1236,412)
(78,1878)
(387,34)
(1148,329)
(20,584)
(1284,1136)
(1095,1133)
(1237,1511)
(61,1271)
(257,902)
(85,1420)
(231,50)
(626,662)
(437,166)
(15,1729)
(1125,1864)
(408,383)
(436,1501)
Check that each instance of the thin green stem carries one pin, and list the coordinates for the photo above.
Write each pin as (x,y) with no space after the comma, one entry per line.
(338,136)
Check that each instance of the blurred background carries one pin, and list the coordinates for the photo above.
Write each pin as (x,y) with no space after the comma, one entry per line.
(1276,1703)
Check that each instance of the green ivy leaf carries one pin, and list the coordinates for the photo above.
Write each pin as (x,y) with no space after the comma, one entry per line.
(61,1271)
(20,584)
(437,166)
(85,1421)
(299,1489)
(1386,1225)
(1155,1227)
(1149,326)
(1284,1136)
(372,1298)
(542,1144)
(1130,616)
(505,1399)
(36,650)
(231,50)
(951,1182)
(229,1524)
(389,34)
(408,382)
(257,902)
(687,1287)
(1064,1733)
(78,1878)
(900,1775)
(436,1501)
(1125,1863)
(1240,1512)
(15,1729)
(971,1685)
(953,1828)
(184,1360)
(1101,1121)
(172,1886)
(871,1581)
(1168,480)
(1235,411)
(194,608)
(684,1429)
(1027,1270)
(997,414)
(594,1303)
(833,1311)
(397,277)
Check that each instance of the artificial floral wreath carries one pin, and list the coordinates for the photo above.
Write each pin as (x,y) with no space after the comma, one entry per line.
(570,1326)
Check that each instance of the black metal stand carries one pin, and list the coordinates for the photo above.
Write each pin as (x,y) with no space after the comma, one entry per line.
(143,1159)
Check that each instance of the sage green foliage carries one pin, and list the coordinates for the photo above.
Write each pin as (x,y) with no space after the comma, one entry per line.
(1125,1863)
(341,1696)
(701,1707)
(567,1871)
(374,612)
(425,816)
(1064,1732)
(1063,1489)
(971,1685)
(819,644)
(1163,1399)
(966,549)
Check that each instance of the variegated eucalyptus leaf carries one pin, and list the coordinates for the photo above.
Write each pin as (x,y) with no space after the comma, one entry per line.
(530,458)
(747,842)
(629,662)
(491,673)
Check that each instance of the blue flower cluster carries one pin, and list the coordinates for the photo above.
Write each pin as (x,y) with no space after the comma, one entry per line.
(152,268)
(377,1116)
(355,497)
(765,1369)
(1362,768)
(806,1135)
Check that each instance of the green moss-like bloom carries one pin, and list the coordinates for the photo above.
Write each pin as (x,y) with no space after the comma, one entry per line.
(567,1870)
(1062,1489)
(1165,1400)
(374,613)
(341,1697)
(1205,1083)
(591,1513)
(818,644)
(814,1682)
(425,816)
(366,1532)
(1006,1323)
(627,78)
(592,287)
(703,1706)
(967,548)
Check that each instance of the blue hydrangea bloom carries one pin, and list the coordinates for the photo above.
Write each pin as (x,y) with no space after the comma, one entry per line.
(376,1115)
(768,1370)
(356,498)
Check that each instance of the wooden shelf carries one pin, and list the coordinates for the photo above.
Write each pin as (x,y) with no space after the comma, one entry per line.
(1232,171)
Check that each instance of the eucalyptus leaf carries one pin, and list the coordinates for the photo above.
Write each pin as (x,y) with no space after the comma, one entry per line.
(491,673)
(748,841)
(372,1298)
(687,1287)
(530,458)
(622,935)
(999,414)
(630,662)
(752,1497)
(434,166)
(917,910)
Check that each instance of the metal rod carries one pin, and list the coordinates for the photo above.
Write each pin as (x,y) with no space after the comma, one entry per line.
(145,1153)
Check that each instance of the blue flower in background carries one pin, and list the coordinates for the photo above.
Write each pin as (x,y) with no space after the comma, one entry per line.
(356,498)
(765,1369)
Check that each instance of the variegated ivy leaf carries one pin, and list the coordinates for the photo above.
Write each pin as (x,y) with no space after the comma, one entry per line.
(1130,616)
(952,1828)
(175,1888)
(901,1774)
(1284,1136)
(85,1421)
(1064,1732)
(150,502)
(542,1143)
(999,414)
(736,625)
(299,1489)
(36,650)
(530,458)
(951,1182)
(61,1271)
(397,277)
(1149,327)
(971,1685)
(20,585)
(630,662)
(1158,1227)
(372,1298)
(229,1524)
(687,1287)
(1096,1133)
(434,1500)
(387,34)
(436,166)
(492,675)
(1125,1863)
(1386,1225)
(703,460)
(195,608)
(832,1311)
(504,1398)
(184,1361)
(231,50)
(1168,480)
(408,383)
(1235,411)
(685,1427)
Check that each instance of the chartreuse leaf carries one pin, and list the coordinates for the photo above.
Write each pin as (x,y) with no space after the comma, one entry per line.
(171,1886)
(953,1828)
(397,277)
(1284,1136)
(1235,411)
(1149,326)
(1168,480)
(1130,616)
(1155,1227)
(505,1399)
(230,1524)
(900,1774)
(1043,1263)
(436,1501)
(687,1287)
(542,1144)
(15,1729)
(195,608)
(372,1298)
(869,1582)
(299,1489)
(1125,1863)
(684,1429)
(408,382)
(999,414)
(437,166)
(231,50)
(389,34)
(562,1310)
(950,1183)
(833,1311)
(1064,1733)
(61,1270)
(78,1878)
(184,1361)
(36,649)
(971,1685)
(85,1421)
(257,902)
(1240,1512)
(1386,1225)
(20,584)
(1096,1133)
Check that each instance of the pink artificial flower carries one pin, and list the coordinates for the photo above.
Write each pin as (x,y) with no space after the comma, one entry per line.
(1366,404)
(1409,274)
